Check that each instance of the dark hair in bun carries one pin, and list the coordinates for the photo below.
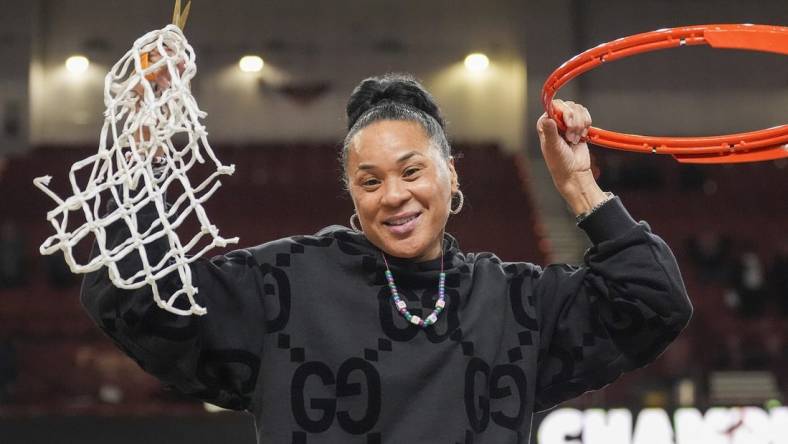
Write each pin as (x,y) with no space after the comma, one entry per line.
(393,97)
(395,88)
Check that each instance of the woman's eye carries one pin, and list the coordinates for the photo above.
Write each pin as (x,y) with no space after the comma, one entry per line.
(369,182)
(411,171)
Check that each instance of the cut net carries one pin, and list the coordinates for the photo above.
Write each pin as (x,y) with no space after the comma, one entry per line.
(132,173)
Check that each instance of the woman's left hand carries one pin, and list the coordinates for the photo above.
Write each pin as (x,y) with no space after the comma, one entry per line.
(568,158)
(565,156)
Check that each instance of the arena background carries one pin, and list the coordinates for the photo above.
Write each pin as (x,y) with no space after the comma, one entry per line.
(62,381)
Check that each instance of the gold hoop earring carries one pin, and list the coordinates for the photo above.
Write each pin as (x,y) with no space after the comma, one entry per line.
(459,206)
(353,224)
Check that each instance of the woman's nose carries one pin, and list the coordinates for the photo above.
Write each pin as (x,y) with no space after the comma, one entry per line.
(395,193)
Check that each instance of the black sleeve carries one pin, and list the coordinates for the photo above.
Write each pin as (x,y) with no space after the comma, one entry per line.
(214,357)
(615,313)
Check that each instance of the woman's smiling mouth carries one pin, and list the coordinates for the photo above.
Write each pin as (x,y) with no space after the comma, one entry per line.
(402,224)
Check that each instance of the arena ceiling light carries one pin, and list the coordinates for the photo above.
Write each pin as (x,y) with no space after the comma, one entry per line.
(77,64)
(251,63)
(476,62)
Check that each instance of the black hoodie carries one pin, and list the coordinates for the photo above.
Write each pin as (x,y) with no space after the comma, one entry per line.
(302,333)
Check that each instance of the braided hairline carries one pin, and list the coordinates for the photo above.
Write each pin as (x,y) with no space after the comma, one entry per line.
(388,110)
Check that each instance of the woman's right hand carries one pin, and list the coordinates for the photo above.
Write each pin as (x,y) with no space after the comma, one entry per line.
(160,80)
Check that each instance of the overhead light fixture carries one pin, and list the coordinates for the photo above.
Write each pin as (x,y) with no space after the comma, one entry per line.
(251,63)
(476,62)
(77,64)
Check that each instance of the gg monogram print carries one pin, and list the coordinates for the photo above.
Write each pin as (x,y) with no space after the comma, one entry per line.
(301,332)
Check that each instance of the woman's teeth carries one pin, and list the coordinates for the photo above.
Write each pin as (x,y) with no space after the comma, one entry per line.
(402,221)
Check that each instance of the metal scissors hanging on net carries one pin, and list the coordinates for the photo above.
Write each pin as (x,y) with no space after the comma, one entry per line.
(179,16)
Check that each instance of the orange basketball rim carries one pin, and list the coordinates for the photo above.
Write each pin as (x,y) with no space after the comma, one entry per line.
(766,144)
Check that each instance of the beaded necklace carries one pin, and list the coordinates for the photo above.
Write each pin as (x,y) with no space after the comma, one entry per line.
(403,309)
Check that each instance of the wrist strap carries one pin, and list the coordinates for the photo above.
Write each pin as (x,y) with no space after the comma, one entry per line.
(583,216)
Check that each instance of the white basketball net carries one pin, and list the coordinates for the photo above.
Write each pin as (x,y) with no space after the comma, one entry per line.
(123,171)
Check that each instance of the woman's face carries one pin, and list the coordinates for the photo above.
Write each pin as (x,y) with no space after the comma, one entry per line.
(401,188)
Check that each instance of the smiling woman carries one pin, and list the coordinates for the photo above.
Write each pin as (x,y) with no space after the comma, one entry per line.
(398,166)
(401,188)
(326,338)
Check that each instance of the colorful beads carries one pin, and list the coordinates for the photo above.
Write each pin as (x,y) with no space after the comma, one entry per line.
(440,304)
